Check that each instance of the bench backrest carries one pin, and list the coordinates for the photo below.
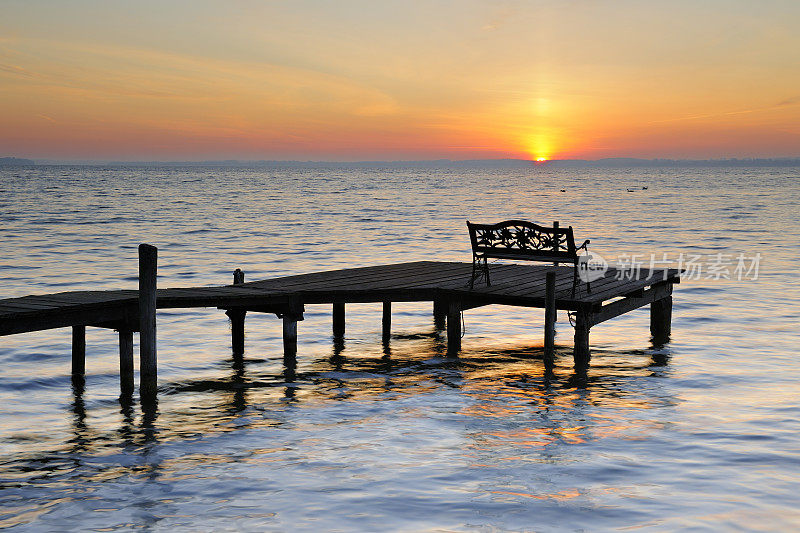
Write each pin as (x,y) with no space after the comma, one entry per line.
(520,239)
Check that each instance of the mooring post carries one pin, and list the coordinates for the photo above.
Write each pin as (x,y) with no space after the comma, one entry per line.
(439,313)
(237,317)
(386,322)
(549,320)
(661,319)
(338,319)
(453,327)
(78,350)
(148,271)
(583,318)
(126,362)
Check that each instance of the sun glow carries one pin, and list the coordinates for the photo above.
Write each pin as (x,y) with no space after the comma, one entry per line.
(539,146)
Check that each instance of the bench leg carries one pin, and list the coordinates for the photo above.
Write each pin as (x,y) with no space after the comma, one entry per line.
(472,277)
(480,268)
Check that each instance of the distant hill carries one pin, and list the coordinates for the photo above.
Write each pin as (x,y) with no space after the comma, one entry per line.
(615,162)
(15,161)
(627,162)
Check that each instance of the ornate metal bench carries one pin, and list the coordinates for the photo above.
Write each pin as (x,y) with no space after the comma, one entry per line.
(519,239)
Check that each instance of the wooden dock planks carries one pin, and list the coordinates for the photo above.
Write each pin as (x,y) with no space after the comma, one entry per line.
(513,284)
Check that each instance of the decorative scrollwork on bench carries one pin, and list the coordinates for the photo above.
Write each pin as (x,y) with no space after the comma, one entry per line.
(520,239)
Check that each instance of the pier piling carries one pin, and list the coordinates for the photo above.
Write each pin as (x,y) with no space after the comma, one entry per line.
(439,313)
(292,314)
(549,320)
(386,322)
(338,319)
(289,336)
(453,327)
(583,322)
(148,271)
(661,319)
(126,362)
(237,317)
(78,350)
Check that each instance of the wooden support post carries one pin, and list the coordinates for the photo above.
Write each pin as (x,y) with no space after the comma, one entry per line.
(289,336)
(148,270)
(661,319)
(439,313)
(237,317)
(386,322)
(293,313)
(126,362)
(453,327)
(583,322)
(237,330)
(78,350)
(549,320)
(338,319)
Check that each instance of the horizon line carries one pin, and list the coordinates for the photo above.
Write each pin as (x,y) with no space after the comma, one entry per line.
(534,162)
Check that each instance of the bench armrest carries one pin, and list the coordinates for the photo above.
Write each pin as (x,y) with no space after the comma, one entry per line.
(584,245)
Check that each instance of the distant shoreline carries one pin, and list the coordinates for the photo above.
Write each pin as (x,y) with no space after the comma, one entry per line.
(616,162)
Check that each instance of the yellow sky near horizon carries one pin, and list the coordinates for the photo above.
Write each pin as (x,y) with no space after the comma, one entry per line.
(399,80)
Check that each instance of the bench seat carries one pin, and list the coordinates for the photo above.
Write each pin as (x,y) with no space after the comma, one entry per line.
(522,240)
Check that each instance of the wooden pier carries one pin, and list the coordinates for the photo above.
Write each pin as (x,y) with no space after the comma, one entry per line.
(445,284)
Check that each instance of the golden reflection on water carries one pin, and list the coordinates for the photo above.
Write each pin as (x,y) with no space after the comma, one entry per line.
(561,495)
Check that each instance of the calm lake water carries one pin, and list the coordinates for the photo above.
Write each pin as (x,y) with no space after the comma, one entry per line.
(700,434)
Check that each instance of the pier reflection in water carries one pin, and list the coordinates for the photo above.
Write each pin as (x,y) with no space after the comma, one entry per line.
(361,404)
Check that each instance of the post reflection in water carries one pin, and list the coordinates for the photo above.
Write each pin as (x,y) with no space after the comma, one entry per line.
(238,385)
(502,409)
(80,437)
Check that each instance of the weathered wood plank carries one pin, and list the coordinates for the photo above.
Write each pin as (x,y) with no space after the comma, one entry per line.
(399,279)
(625,305)
(621,287)
(290,282)
(59,318)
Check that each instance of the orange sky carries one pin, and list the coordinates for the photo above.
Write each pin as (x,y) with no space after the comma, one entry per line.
(348,80)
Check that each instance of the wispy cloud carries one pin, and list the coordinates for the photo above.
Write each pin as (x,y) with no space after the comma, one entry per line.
(784,103)
(13,69)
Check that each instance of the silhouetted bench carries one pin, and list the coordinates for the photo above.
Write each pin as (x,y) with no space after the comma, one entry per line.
(522,240)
